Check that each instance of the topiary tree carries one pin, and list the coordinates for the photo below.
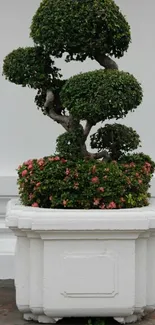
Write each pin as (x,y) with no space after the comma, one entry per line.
(80,29)
(112,177)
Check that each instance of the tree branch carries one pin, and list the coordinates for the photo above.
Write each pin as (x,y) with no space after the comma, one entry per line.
(87,130)
(103,154)
(106,61)
(60,119)
(49,111)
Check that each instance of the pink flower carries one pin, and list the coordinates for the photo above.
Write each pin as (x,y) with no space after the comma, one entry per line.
(147,168)
(128,181)
(76,175)
(57,158)
(30,166)
(111,205)
(40,162)
(31,196)
(67,171)
(38,184)
(50,159)
(101,189)
(102,206)
(28,162)
(96,202)
(51,198)
(65,203)
(105,177)
(132,164)
(32,182)
(63,160)
(95,180)
(94,169)
(76,186)
(126,165)
(35,205)
(137,174)
(147,164)
(140,181)
(24,172)
(19,167)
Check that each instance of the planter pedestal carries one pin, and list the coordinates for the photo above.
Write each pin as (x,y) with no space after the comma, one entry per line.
(83,263)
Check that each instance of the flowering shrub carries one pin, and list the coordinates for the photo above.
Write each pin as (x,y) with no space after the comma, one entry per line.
(54,182)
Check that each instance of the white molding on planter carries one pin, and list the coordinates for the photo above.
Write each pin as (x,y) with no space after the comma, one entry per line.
(84,263)
(152,189)
(8,190)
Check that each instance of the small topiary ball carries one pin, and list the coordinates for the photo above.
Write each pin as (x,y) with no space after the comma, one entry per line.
(30,66)
(116,138)
(69,144)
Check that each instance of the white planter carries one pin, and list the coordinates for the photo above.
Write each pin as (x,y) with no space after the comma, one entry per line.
(84,263)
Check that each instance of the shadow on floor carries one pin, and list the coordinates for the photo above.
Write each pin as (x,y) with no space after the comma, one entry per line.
(9,314)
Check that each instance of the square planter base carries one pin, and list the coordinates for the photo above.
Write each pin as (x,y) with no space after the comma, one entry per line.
(79,263)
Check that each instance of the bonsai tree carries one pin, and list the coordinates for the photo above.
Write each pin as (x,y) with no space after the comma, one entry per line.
(75,177)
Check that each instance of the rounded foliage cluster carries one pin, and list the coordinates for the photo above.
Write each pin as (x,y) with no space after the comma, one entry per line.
(69,144)
(54,182)
(138,159)
(116,138)
(81,28)
(101,94)
(30,66)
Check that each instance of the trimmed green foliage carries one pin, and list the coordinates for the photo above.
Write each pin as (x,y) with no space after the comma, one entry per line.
(101,94)
(69,144)
(81,28)
(30,66)
(116,138)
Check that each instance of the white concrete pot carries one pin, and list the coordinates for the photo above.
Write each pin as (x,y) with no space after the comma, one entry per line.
(83,263)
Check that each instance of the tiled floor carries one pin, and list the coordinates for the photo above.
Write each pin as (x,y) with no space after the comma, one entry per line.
(10,316)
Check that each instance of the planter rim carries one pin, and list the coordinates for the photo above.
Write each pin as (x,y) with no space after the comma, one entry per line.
(21,217)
